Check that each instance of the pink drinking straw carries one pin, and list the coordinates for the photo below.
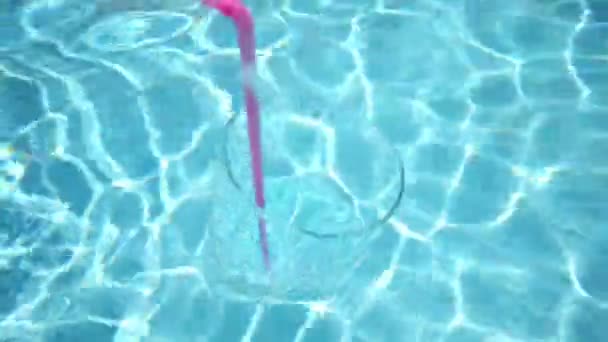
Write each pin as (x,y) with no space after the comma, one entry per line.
(243,21)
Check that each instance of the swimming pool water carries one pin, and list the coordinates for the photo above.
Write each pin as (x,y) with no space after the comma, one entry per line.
(126,209)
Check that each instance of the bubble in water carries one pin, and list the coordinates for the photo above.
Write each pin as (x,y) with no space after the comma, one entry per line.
(317,228)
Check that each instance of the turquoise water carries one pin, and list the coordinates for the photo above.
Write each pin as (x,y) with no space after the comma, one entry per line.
(126,211)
